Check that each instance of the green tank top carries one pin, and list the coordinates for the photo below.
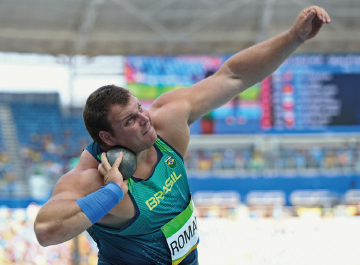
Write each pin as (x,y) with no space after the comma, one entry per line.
(157,200)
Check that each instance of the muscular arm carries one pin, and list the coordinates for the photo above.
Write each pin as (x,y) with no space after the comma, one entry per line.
(246,68)
(61,218)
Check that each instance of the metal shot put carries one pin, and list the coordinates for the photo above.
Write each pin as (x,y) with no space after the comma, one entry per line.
(128,164)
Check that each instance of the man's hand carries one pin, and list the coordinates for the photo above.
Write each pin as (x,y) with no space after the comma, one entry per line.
(112,173)
(309,22)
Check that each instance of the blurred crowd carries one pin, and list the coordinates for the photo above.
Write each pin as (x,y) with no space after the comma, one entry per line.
(46,156)
(43,156)
(18,243)
(8,177)
(284,158)
(49,158)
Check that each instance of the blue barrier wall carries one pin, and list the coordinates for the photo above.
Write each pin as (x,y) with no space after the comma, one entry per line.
(244,184)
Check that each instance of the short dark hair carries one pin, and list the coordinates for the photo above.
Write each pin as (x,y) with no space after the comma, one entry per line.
(97,106)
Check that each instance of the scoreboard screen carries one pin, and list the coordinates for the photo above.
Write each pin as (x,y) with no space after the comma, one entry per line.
(313,93)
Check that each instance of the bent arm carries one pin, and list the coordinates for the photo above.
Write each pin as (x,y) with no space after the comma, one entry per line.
(59,221)
(78,202)
(61,218)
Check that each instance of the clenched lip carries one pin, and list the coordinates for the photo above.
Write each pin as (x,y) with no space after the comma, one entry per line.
(147,130)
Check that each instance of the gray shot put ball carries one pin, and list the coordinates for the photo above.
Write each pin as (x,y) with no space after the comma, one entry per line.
(128,164)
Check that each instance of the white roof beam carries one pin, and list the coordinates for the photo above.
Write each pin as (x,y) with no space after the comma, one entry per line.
(145,18)
(87,24)
(266,20)
(125,36)
(216,14)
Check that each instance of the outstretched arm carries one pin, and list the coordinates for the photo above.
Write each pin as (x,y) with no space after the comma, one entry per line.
(247,67)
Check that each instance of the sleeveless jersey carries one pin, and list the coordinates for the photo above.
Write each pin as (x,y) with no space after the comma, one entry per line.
(157,200)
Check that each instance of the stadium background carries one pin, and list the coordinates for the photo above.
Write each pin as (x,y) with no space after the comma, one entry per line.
(274,173)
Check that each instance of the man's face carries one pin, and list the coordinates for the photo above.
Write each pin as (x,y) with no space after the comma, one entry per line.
(132,126)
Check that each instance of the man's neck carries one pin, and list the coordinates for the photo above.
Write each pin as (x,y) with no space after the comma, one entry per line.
(146,156)
(146,161)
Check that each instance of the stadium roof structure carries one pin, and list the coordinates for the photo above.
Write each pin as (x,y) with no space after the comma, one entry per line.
(123,27)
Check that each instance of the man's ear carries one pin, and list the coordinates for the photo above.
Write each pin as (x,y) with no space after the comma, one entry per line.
(106,137)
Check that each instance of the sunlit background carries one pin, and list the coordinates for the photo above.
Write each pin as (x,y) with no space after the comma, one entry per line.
(275,173)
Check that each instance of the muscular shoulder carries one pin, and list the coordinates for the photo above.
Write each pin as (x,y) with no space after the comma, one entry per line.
(81,180)
(86,161)
(171,100)
(170,117)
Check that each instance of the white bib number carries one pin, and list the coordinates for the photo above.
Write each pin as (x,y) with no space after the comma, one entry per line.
(182,234)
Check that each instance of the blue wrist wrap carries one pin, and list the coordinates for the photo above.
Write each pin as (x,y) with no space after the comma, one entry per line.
(99,203)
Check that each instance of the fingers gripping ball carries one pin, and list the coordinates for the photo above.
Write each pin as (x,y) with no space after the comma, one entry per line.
(128,164)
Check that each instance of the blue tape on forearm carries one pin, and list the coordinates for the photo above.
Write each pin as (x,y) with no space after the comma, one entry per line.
(116,189)
(96,205)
